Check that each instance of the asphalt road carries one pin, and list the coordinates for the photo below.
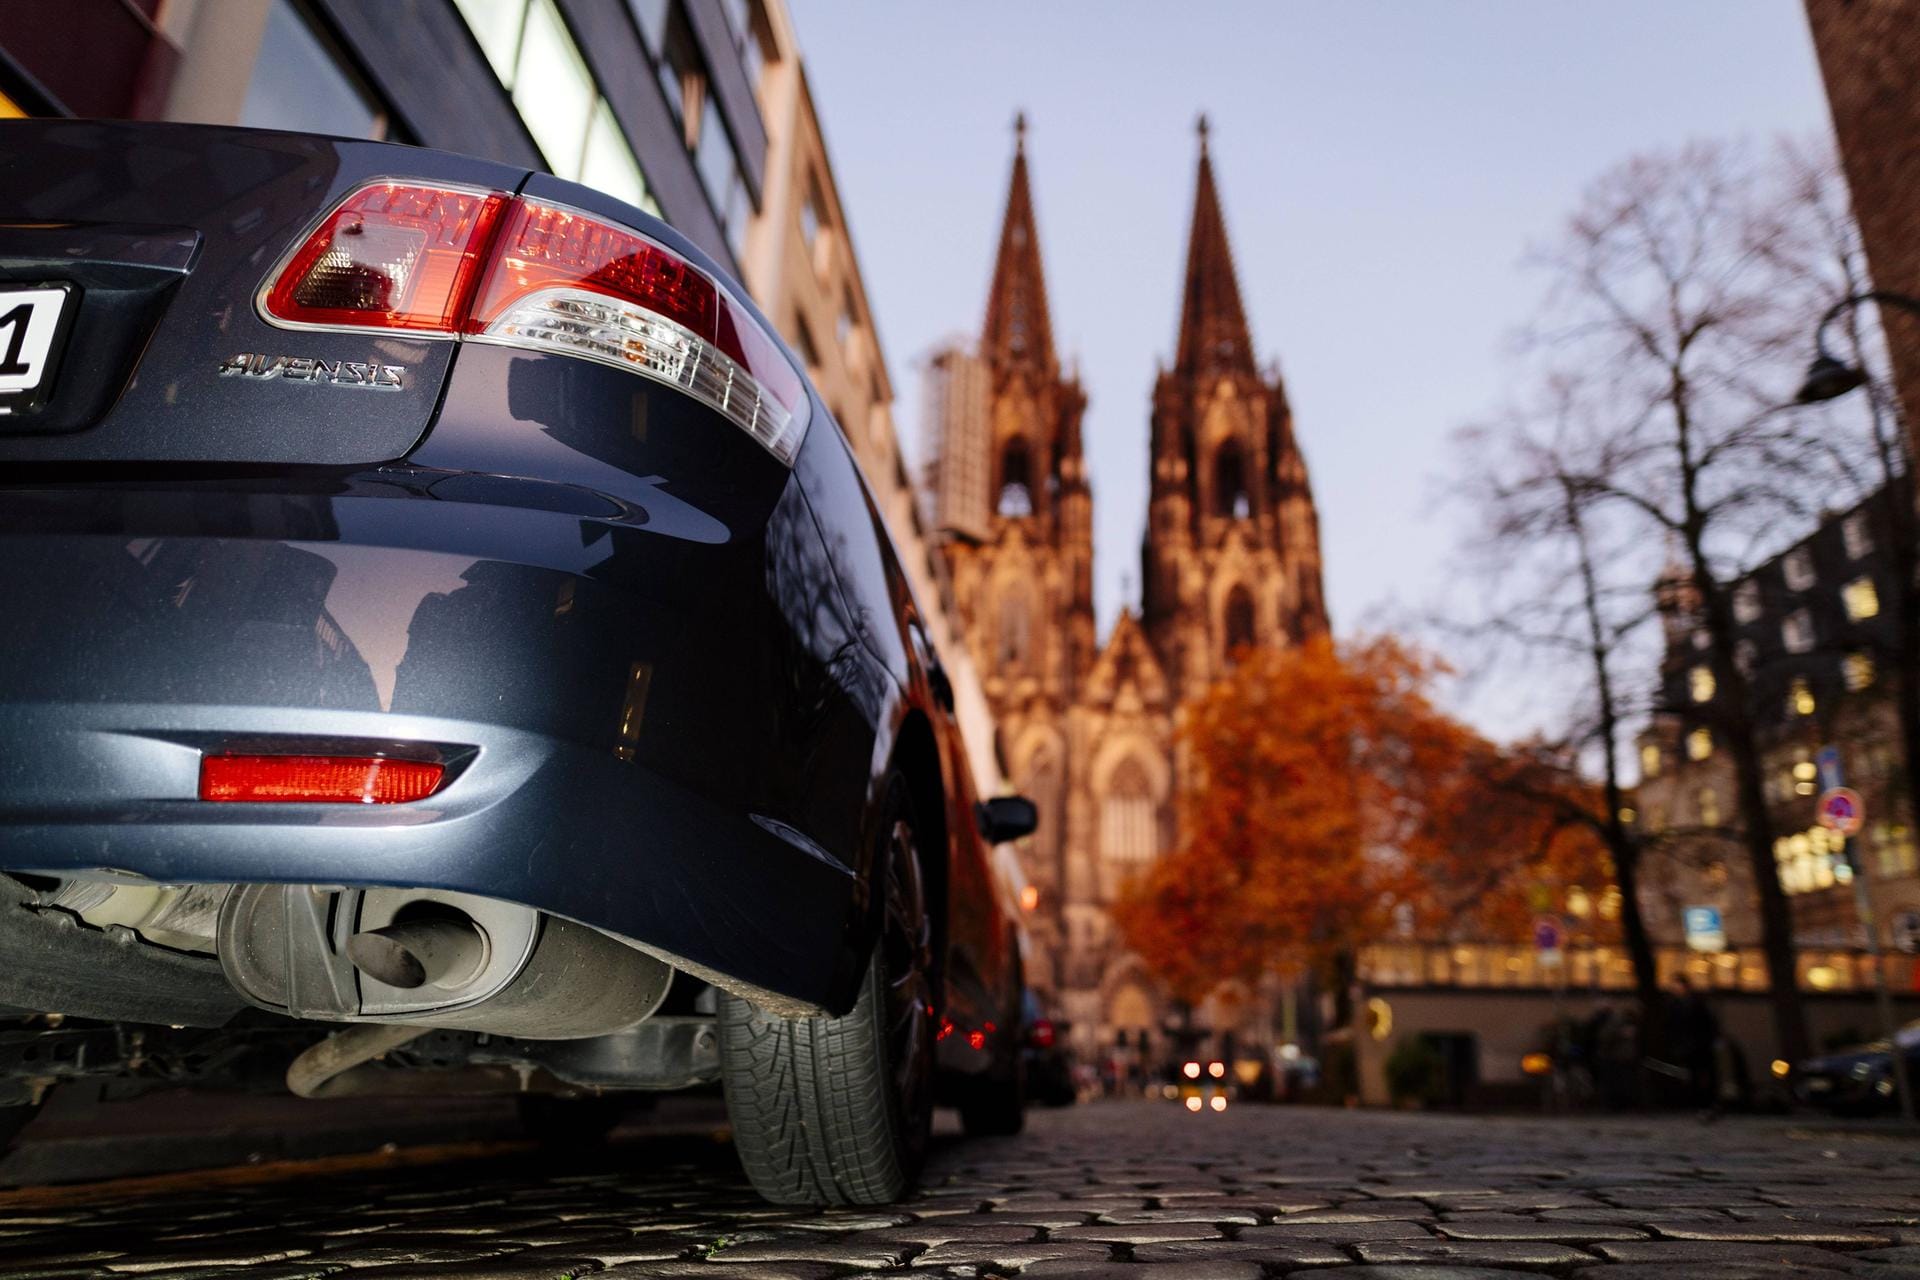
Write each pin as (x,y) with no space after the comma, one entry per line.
(1141,1190)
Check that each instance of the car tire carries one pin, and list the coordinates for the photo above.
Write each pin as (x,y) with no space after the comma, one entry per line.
(832,1111)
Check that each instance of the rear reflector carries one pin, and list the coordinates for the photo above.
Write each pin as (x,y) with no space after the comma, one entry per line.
(392,256)
(541,277)
(317,779)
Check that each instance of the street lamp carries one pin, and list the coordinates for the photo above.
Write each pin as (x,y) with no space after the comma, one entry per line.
(1829,377)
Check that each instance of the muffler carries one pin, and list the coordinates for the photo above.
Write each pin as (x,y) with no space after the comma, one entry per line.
(429,958)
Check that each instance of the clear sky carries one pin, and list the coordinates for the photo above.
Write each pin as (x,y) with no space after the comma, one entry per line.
(1384,168)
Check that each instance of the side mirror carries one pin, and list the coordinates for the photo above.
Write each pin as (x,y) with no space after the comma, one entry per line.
(1005,818)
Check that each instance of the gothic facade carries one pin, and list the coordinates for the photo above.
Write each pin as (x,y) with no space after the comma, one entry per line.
(1231,557)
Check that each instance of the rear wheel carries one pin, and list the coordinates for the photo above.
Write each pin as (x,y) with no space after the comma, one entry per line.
(837,1110)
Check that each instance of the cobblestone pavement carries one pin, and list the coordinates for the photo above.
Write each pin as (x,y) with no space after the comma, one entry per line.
(1142,1191)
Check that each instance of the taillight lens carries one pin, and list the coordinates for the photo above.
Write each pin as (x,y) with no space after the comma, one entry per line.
(538,276)
(1040,1034)
(317,779)
(392,256)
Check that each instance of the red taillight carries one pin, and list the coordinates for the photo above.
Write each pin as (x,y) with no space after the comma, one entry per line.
(546,278)
(317,779)
(392,256)
(1040,1034)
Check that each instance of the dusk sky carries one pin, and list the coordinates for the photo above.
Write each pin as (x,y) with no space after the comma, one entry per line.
(1384,169)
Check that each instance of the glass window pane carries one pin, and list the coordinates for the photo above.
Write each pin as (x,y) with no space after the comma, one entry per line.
(297,84)
(496,25)
(714,156)
(553,89)
(609,163)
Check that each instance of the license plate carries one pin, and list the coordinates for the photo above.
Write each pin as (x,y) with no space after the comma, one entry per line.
(33,327)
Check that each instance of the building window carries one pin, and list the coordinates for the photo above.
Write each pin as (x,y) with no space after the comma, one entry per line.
(1230,483)
(1709,802)
(1746,601)
(300,84)
(719,167)
(1893,847)
(1238,622)
(1856,669)
(1016,481)
(1799,698)
(803,342)
(1649,761)
(814,222)
(1700,684)
(1745,654)
(1016,631)
(1127,834)
(1857,534)
(538,62)
(1861,599)
(1699,744)
(1796,632)
(1797,568)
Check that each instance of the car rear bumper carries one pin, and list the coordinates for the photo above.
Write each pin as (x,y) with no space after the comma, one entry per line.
(614,701)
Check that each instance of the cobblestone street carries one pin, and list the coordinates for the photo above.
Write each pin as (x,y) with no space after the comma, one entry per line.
(1142,1190)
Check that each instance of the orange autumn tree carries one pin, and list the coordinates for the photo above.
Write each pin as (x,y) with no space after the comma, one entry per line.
(1329,801)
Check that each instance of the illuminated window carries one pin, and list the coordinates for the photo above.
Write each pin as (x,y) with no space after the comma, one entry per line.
(1857,670)
(1894,851)
(1700,684)
(536,59)
(1709,807)
(1797,568)
(1649,761)
(1861,598)
(1799,698)
(1699,744)
(1746,601)
(1796,632)
(1857,535)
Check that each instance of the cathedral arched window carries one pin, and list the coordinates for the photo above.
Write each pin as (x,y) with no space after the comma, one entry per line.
(1237,621)
(1016,480)
(1043,786)
(1129,834)
(1230,497)
(1016,630)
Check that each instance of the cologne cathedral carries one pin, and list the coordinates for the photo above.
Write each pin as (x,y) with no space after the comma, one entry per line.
(1231,557)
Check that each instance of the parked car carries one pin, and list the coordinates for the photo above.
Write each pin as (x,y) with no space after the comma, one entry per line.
(1859,1080)
(439,612)
(1050,1076)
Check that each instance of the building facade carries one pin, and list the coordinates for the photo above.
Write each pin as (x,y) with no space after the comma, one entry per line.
(1869,57)
(1816,644)
(1231,557)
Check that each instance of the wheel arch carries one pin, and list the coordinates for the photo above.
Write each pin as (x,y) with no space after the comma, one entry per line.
(917,759)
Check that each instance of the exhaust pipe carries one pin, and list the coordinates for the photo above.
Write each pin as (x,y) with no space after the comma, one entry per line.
(427,958)
(445,951)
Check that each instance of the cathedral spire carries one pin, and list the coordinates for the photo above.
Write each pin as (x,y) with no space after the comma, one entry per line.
(1213,326)
(1017,329)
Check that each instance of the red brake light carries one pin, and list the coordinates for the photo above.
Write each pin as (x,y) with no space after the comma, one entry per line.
(1040,1034)
(317,779)
(391,256)
(518,272)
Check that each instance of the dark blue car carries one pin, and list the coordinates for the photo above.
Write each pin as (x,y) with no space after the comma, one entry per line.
(443,632)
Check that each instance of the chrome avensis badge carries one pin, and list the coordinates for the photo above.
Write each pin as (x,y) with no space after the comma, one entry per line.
(371,376)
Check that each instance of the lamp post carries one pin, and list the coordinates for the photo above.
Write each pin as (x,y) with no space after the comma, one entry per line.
(1829,377)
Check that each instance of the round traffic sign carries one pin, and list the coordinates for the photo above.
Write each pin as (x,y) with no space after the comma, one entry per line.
(1841,810)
